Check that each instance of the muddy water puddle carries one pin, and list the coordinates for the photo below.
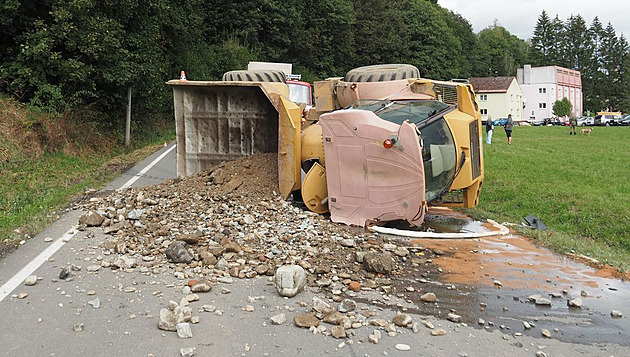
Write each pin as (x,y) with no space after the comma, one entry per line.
(491,279)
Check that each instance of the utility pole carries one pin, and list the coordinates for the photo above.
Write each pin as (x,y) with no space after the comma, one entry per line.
(128,124)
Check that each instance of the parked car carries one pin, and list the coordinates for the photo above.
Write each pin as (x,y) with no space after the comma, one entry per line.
(607,119)
(553,122)
(581,121)
(625,120)
(586,121)
(500,121)
(538,122)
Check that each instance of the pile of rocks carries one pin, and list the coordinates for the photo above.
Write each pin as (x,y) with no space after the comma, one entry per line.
(230,222)
(344,320)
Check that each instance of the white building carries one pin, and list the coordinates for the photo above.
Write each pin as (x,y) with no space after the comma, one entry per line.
(498,96)
(543,86)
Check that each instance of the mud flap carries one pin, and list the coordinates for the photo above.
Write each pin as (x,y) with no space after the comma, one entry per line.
(289,146)
(314,190)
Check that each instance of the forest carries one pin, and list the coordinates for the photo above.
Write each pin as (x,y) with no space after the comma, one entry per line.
(65,55)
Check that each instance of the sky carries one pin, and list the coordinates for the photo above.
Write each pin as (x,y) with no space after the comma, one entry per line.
(520,16)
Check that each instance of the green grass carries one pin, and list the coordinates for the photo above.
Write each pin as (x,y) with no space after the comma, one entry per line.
(46,161)
(31,190)
(578,186)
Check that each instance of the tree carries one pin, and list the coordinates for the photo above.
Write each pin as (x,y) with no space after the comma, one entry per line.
(542,40)
(624,104)
(593,81)
(329,49)
(577,44)
(562,107)
(428,41)
(557,55)
(462,30)
(504,52)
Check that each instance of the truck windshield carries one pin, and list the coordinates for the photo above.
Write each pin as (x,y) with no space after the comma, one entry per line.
(439,158)
(438,147)
(299,93)
(397,112)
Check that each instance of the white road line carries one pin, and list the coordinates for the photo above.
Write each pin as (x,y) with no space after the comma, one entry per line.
(144,171)
(18,278)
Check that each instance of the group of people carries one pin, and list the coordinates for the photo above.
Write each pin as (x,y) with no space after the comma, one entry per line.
(508,126)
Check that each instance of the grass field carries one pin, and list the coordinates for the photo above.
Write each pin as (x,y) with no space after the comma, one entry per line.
(33,190)
(46,161)
(578,186)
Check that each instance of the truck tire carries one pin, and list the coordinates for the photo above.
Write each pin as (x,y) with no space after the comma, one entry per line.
(382,72)
(255,76)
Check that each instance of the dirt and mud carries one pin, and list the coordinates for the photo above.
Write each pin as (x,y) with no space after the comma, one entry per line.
(489,281)
(492,279)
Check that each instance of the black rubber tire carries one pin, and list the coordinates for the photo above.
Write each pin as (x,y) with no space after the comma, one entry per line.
(381,73)
(255,76)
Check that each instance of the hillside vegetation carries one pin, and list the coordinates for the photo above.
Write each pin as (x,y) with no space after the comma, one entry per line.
(46,160)
(61,55)
(577,185)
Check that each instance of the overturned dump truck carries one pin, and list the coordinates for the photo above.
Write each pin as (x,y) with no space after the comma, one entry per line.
(380,145)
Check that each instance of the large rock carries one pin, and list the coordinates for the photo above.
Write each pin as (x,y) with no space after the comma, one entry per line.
(183,330)
(232,247)
(207,257)
(321,306)
(438,332)
(348,242)
(290,280)
(187,352)
(190,238)
(279,319)
(616,314)
(428,297)
(305,320)
(135,214)
(338,332)
(177,253)
(335,318)
(454,317)
(65,273)
(183,313)
(91,219)
(113,228)
(175,314)
(577,302)
(124,262)
(402,320)
(201,287)
(30,280)
(168,320)
(378,262)
(347,305)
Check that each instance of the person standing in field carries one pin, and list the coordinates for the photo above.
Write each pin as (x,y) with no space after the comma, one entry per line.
(572,125)
(508,126)
(489,127)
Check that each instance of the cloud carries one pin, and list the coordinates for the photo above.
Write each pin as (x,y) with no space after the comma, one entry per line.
(520,16)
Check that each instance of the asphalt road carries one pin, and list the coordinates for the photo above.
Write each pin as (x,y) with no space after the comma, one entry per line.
(43,323)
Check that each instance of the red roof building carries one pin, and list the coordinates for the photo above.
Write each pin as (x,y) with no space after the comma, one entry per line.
(498,96)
